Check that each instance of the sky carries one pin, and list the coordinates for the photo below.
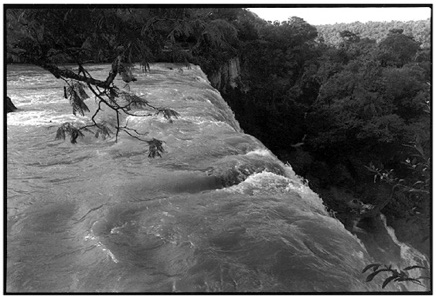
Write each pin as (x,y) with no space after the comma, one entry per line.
(332,15)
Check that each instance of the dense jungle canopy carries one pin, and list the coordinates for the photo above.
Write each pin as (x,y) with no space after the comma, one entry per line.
(347,105)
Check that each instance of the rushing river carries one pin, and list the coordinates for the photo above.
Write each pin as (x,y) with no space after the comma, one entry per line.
(218,212)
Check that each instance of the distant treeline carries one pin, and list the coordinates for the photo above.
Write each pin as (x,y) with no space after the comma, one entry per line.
(420,30)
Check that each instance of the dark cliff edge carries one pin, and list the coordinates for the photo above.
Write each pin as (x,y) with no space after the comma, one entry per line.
(10,107)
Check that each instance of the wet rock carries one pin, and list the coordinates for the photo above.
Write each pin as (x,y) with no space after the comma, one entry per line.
(10,107)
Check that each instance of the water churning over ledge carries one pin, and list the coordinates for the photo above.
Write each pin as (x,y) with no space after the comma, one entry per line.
(217,213)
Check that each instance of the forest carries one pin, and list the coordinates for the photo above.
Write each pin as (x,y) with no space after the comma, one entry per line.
(346,105)
(419,30)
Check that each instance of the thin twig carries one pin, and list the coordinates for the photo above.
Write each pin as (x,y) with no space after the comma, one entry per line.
(136,137)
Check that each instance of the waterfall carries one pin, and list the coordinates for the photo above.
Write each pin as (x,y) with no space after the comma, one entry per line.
(410,256)
(218,212)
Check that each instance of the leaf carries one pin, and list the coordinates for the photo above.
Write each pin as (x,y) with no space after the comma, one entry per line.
(423,277)
(414,267)
(126,73)
(155,148)
(75,133)
(103,131)
(370,167)
(76,93)
(388,280)
(372,275)
(374,266)
(68,128)
(168,113)
(410,279)
(78,104)
(76,88)
(145,66)
(418,183)
(134,100)
(60,133)
(80,89)
(113,93)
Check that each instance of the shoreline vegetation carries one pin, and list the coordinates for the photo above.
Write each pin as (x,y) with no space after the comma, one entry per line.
(347,105)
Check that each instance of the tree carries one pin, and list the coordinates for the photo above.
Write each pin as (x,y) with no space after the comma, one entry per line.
(397,49)
(278,67)
(47,37)
(42,37)
(349,36)
(420,30)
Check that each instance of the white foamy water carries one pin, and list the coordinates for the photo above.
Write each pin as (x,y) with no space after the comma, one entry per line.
(411,256)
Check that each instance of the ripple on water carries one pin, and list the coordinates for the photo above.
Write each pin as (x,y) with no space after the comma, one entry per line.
(216,213)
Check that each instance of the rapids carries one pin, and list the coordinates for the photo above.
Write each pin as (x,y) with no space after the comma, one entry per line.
(217,213)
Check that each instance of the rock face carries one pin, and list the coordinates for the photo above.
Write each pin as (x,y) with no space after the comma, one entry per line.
(10,107)
(227,75)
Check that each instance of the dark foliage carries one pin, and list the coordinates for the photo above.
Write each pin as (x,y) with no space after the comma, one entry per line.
(168,113)
(69,129)
(155,148)
(396,275)
(420,30)
(76,94)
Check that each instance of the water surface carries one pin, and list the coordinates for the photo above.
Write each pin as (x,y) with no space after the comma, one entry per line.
(217,213)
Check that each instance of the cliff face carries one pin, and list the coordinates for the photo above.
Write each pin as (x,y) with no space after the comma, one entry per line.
(218,212)
(227,76)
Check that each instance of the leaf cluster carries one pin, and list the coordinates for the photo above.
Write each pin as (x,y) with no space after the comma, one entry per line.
(106,93)
(102,131)
(396,275)
(133,100)
(155,148)
(68,129)
(76,94)
(168,113)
